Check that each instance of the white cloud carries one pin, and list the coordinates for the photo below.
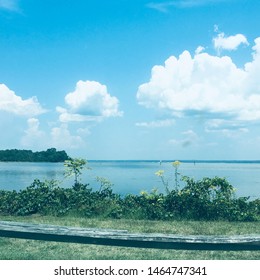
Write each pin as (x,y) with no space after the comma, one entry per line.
(66,116)
(216,124)
(84,131)
(221,42)
(155,124)
(62,138)
(199,50)
(161,7)
(33,135)
(90,101)
(59,137)
(33,127)
(10,102)
(205,84)
(9,5)
(166,5)
(190,138)
(228,128)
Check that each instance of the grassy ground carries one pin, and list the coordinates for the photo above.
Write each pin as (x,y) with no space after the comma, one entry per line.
(16,249)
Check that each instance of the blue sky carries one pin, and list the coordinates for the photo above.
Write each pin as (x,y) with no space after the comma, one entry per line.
(132,79)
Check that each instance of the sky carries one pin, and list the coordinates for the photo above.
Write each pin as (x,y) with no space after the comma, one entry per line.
(139,79)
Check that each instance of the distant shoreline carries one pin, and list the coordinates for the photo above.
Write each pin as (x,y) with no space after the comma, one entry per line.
(147,161)
(50,155)
(182,161)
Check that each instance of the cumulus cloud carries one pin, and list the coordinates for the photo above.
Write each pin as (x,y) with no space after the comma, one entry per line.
(199,50)
(62,138)
(33,135)
(155,124)
(221,42)
(90,101)
(67,116)
(205,84)
(10,102)
(59,137)
(33,127)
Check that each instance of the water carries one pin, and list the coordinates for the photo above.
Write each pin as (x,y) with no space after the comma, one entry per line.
(133,176)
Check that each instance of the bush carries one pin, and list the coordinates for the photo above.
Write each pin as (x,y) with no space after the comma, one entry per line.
(206,199)
(210,199)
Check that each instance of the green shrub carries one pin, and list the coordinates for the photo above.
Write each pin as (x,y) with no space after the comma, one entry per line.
(210,199)
(206,199)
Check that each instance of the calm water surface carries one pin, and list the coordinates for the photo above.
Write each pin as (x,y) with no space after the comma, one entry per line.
(132,176)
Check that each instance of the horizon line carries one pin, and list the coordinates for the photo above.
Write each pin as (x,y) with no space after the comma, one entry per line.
(181,160)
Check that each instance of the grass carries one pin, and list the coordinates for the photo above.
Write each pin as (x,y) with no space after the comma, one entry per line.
(17,249)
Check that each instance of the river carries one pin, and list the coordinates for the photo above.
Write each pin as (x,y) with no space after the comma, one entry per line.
(133,176)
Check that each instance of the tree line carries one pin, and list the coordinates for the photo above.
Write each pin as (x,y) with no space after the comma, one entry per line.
(50,155)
